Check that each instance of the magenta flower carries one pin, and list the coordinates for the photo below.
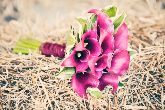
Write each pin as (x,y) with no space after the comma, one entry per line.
(103,21)
(121,38)
(109,79)
(90,42)
(120,62)
(105,28)
(98,63)
(78,59)
(81,81)
(107,42)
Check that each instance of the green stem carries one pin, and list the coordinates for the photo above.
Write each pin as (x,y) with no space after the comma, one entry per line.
(25,44)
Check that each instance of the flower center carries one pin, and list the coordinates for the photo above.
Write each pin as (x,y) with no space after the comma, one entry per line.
(87,44)
(95,64)
(79,54)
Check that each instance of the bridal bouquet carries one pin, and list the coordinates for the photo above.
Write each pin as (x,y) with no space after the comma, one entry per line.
(96,56)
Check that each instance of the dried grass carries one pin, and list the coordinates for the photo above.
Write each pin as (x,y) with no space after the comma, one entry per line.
(30,82)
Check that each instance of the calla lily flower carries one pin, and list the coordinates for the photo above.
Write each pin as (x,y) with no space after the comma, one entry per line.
(78,58)
(101,63)
(98,63)
(121,37)
(103,21)
(90,42)
(81,81)
(88,35)
(108,79)
(107,42)
(105,28)
(120,62)
(97,74)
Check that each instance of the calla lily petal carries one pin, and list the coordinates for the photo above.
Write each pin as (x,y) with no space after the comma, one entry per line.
(81,67)
(120,62)
(70,61)
(91,63)
(97,74)
(79,47)
(81,81)
(103,21)
(121,37)
(101,63)
(107,41)
(98,63)
(109,60)
(108,79)
(89,34)
(78,58)
(93,46)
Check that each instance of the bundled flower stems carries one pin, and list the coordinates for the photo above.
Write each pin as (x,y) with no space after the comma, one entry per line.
(96,57)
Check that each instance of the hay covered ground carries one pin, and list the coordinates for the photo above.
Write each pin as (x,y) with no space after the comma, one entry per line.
(29,81)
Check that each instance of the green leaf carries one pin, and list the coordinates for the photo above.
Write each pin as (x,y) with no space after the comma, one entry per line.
(95,92)
(78,37)
(120,84)
(118,21)
(70,40)
(66,73)
(111,11)
(83,23)
(91,22)
(132,53)
(93,18)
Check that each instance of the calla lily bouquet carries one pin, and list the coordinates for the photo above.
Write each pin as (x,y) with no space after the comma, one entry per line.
(96,56)
(100,55)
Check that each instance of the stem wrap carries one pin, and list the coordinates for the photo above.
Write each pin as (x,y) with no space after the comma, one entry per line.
(57,50)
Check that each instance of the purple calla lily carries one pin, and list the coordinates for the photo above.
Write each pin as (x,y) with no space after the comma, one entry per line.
(97,74)
(88,35)
(103,21)
(120,62)
(90,42)
(78,58)
(121,37)
(98,63)
(81,81)
(93,46)
(107,42)
(101,63)
(109,79)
